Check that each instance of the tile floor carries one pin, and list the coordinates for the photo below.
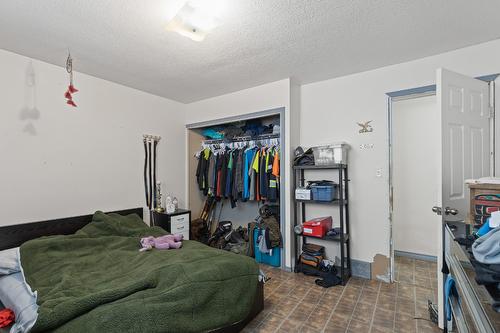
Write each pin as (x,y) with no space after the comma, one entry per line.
(293,303)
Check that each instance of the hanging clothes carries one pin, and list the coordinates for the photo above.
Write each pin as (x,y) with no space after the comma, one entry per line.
(202,170)
(229,175)
(249,155)
(210,175)
(263,175)
(272,191)
(239,173)
(254,169)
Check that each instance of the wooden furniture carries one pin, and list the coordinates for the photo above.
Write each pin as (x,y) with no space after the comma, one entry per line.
(15,235)
(175,223)
(481,209)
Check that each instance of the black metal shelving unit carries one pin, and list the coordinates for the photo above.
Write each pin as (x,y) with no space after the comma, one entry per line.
(343,207)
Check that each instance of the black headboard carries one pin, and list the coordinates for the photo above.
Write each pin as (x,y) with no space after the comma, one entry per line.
(14,235)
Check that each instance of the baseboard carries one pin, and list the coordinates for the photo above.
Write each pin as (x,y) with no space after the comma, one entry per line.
(361,269)
(417,256)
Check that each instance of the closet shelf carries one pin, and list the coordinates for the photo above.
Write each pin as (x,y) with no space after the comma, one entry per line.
(243,138)
(336,238)
(320,167)
(335,202)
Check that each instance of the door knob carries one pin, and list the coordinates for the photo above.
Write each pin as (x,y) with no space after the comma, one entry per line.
(450,211)
(436,210)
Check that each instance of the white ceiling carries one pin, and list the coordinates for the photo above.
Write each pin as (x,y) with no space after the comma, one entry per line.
(260,40)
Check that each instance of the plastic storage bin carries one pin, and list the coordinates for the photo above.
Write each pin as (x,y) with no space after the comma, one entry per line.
(324,192)
(335,153)
(265,258)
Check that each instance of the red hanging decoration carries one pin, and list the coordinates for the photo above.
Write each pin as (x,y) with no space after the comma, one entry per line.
(71,88)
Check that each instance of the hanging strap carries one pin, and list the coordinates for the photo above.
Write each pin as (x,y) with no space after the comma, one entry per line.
(150,178)
(155,143)
(146,193)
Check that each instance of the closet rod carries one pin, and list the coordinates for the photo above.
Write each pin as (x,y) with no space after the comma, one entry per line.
(243,138)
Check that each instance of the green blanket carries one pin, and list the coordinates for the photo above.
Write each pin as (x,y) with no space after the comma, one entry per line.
(97,281)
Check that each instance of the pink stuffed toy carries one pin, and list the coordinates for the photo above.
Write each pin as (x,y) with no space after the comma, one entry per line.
(161,243)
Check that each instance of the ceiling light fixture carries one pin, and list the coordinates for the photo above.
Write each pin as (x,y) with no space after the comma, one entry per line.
(197,18)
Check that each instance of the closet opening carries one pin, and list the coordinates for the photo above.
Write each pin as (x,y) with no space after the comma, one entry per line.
(235,184)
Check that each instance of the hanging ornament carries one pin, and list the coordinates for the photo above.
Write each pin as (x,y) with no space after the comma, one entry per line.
(71,88)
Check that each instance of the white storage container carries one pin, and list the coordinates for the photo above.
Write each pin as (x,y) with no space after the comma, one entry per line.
(335,153)
(302,194)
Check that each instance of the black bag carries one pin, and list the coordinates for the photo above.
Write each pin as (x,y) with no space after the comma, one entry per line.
(313,249)
(305,158)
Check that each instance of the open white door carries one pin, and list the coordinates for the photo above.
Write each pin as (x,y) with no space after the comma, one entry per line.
(464,109)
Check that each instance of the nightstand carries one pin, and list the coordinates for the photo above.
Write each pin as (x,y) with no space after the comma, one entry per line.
(176,223)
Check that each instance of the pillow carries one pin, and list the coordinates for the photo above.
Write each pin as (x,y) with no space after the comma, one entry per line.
(16,295)
(113,224)
(9,261)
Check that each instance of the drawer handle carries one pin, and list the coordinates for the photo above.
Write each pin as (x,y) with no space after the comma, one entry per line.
(180,228)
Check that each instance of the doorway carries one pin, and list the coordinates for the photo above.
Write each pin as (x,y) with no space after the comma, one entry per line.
(415,176)
(465,148)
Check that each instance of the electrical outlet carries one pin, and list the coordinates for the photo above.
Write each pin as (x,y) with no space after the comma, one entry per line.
(378,173)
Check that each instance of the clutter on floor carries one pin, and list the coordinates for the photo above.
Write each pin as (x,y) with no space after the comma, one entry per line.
(312,262)
(260,239)
(295,303)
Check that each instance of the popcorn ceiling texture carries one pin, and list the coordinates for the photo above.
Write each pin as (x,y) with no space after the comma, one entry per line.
(260,41)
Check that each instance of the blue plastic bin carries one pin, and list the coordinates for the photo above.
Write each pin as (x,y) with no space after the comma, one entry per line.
(324,192)
(265,258)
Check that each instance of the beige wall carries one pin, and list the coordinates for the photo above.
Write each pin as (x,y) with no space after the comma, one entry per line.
(330,110)
(73,161)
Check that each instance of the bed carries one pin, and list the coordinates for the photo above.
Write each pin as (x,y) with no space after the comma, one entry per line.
(90,277)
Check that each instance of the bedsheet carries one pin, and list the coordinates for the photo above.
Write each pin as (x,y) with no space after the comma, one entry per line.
(97,281)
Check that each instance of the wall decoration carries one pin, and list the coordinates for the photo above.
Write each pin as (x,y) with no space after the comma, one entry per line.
(365,127)
(30,113)
(71,88)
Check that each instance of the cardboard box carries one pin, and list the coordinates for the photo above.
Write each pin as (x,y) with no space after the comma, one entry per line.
(303,194)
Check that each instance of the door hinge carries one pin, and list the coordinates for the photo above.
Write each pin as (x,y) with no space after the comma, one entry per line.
(491,86)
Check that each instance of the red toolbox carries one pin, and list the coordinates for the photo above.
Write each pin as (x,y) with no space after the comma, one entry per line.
(317,227)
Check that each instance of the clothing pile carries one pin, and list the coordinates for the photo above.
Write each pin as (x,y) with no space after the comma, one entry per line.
(252,127)
(312,262)
(268,235)
(240,174)
(486,262)
(311,257)
(484,245)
